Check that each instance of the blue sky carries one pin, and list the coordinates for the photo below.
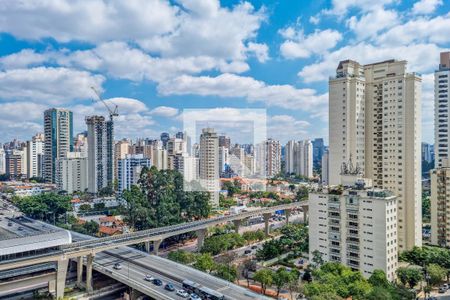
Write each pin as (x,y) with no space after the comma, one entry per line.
(154,58)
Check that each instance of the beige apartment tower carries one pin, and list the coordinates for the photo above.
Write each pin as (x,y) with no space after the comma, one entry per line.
(375,122)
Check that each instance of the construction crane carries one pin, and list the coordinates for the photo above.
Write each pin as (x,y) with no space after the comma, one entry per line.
(112,112)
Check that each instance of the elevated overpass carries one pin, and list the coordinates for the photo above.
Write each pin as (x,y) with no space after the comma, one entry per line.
(91,247)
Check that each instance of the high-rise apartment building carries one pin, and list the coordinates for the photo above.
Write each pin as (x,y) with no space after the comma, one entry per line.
(14,163)
(209,163)
(72,172)
(272,157)
(375,123)
(35,156)
(441,110)
(224,141)
(440,205)
(299,158)
(121,149)
(129,170)
(2,161)
(100,153)
(427,154)
(58,139)
(223,159)
(356,226)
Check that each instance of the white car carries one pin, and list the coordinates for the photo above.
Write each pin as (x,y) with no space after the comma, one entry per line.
(182,293)
(117,266)
(148,277)
(195,297)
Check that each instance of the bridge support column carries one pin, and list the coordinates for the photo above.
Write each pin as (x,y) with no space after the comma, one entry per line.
(237,225)
(156,245)
(147,246)
(305,213)
(287,214)
(89,262)
(266,217)
(61,273)
(201,233)
(79,271)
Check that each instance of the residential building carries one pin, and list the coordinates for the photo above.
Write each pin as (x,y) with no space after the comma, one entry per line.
(272,157)
(441,110)
(81,144)
(190,168)
(440,205)
(355,225)
(176,146)
(14,163)
(159,157)
(100,153)
(290,156)
(121,150)
(72,173)
(299,158)
(35,156)
(375,123)
(129,170)
(2,161)
(224,141)
(209,163)
(58,139)
(223,160)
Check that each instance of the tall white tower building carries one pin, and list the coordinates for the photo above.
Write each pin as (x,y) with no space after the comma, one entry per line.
(375,123)
(35,156)
(273,157)
(442,110)
(209,163)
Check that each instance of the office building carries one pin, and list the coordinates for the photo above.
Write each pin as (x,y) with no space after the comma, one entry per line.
(427,152)
(129,170)
(441,110)
(100,153)
(58,139)
(209,164)
(180,135)
(165,137)
(224,141)
(325,168)
(35,156)
(223,160)
(355,226)
(72,173)
(318,150)
(375,123)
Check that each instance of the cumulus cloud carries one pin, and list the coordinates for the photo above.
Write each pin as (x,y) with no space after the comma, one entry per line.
(230,85)
(48,85)
(341,7)
(164,111)
(298,45)
(370,24)
(425,6)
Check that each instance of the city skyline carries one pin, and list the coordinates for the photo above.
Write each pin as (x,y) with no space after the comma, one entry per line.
(280,59)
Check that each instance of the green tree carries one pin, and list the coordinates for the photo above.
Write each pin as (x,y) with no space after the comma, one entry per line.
(265,278)
(204,262)
(379,293)
(47,207)
(409,275)
(436,274)
(281,278)
(378,278)
(226,272)
(247,267)
(317,259)
(84,207)
(91,227)
(181,256)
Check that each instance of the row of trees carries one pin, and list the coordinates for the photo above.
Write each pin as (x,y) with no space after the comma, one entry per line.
(159,200)
(335,281)
(222,268)
(281,278)
(223,241)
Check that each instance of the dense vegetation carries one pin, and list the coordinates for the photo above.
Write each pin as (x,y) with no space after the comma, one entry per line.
(294,238)
(49,207)
(159,200)
(430,258)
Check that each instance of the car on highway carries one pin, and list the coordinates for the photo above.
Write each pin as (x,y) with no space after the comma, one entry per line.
(194,296)
(254,247)
(443,289)
(169,287)
(247,251)
(148,277)
(117,266)
(9,224)
(182,293)
(157,282)
(20,228)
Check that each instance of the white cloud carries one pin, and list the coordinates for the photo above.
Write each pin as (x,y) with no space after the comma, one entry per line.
(341,7)
(419,30)
(370,24)
(261,51)
(24,58)
(164,111)
(48,85)
(230,85)
(421,58)
(299,45)
(314,20)
(425,6)
(92,21)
